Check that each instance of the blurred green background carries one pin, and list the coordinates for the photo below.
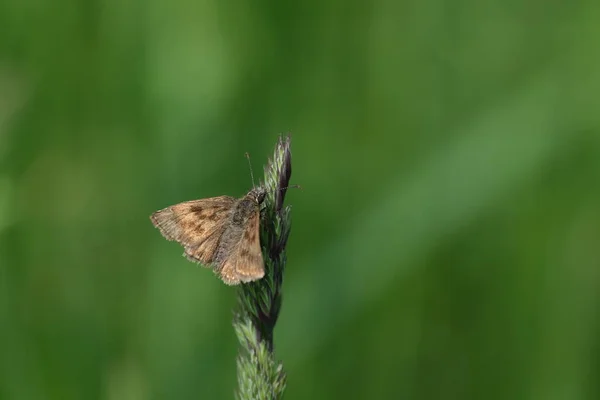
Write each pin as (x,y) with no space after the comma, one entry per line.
(446,242)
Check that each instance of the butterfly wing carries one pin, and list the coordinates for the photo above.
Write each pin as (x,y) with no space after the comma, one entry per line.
(198,225)
(244,263)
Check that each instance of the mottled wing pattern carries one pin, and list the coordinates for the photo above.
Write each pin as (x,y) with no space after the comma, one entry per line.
(245,262)
(198,225)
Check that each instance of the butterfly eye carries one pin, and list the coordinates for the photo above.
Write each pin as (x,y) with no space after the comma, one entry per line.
(260,197)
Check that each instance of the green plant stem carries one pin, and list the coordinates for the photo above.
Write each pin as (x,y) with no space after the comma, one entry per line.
(260,376)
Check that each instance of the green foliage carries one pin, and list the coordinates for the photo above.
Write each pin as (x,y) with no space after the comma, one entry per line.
(445,244)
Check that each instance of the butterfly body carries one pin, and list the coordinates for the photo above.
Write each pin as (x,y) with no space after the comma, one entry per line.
(220,232)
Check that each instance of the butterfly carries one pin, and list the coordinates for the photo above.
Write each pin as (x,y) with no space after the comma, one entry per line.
(219,232)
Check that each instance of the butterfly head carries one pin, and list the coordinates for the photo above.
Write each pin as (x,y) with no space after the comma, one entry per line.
(258,194)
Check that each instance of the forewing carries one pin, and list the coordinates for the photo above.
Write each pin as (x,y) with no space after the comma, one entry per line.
(198,225)
(245,262)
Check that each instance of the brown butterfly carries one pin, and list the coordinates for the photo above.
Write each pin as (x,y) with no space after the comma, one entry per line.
(219,232)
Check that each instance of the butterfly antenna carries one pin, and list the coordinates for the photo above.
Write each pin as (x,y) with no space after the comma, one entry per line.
(250,165)
(290,187)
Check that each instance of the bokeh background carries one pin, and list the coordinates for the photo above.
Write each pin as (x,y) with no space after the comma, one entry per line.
(446,244)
